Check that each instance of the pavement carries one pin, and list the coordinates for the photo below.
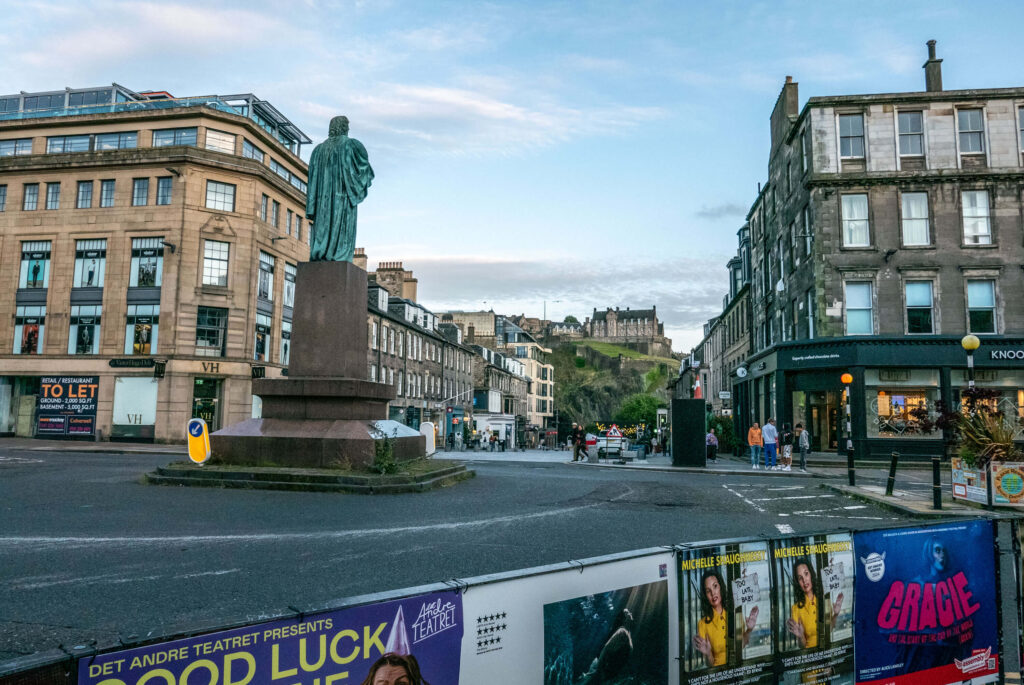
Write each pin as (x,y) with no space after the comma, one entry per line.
(915,502)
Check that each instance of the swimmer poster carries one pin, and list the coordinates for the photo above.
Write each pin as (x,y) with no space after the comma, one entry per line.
(421,637)
(619,636)
(575,624)
(813,578)
(725,614)
(926,607)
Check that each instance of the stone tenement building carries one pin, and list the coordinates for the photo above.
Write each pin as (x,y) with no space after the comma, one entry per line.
(501,334)
(889,227)
(392,276)
(432,373)
(726,343)
(150,242)
(638,329)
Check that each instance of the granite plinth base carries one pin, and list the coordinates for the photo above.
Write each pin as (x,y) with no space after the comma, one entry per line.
(308,443)
(323,398)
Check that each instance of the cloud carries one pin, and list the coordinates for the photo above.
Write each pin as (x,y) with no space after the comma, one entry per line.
(722,211)
(100,36)
(686,291)
(435,118)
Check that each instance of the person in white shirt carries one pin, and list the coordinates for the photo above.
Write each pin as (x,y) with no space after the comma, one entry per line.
(770,435)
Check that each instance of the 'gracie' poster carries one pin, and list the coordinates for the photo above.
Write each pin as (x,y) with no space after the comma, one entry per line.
(926,605)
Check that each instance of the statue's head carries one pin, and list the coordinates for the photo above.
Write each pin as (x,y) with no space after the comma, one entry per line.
(339,126)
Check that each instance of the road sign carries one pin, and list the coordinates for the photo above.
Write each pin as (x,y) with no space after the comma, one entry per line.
(198,441)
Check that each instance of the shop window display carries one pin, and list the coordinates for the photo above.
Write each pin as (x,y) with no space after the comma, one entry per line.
(902,403)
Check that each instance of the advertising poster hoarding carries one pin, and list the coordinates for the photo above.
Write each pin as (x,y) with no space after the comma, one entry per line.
(926,605)
(419,637)
(619,636)
(725,617)
(969,484)
(609,623)
(66,406)
(814,609)
(1007,483)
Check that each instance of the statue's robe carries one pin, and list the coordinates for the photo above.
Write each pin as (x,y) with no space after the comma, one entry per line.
(339,176)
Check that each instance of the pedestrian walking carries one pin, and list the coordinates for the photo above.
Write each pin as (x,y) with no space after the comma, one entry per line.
(494,441)
(711,440)
(574,438)
(786,445)
(804,443)
(756,444)
(770,435)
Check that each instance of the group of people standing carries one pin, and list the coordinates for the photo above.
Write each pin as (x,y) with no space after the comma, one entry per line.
(778,447)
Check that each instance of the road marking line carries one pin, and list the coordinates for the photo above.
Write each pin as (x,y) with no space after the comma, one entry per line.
(763,511)
(777,499)
(784,528)
(209,573)
(857,506)
(42,541)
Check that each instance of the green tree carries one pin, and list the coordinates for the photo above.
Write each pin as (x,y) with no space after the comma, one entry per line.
(727,439)
(639,408)
(570,319)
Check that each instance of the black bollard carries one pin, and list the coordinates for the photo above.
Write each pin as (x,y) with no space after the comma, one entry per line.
(849,465)
(936,484)
(892,474)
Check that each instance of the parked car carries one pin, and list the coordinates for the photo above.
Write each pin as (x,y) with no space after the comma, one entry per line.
(610,442)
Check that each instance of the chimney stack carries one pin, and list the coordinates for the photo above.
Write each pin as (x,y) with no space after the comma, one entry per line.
(932,70)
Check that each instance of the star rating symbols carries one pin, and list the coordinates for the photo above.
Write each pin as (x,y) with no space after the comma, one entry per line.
(487,628)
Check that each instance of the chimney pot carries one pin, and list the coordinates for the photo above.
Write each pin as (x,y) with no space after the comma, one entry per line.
(789,79)
(932,70)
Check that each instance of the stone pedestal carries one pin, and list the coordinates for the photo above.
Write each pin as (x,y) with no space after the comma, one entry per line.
(324,414)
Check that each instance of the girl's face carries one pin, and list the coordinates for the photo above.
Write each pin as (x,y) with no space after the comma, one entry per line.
(803,577)
(713,592)
(391,675)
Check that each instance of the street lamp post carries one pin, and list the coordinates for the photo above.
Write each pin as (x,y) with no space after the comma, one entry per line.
(847,380)
(970,343)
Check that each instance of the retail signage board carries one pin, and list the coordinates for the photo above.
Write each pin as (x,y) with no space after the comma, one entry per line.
(66,406)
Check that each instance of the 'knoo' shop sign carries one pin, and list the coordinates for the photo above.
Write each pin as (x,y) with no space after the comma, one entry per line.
(1003,355)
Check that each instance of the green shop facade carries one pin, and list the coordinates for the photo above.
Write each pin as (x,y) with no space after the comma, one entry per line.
(893,378)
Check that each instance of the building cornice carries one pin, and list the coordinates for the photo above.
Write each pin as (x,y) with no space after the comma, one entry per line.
(876,178)
(149,156)
(155,115)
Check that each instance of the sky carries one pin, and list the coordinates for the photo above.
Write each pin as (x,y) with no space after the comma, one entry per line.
(530,157)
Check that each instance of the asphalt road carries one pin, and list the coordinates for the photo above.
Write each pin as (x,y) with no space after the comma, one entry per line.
(89,552)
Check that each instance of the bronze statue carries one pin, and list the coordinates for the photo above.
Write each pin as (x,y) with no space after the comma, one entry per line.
(339,176)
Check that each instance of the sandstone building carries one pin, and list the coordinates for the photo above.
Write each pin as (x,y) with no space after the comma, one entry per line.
(149,242)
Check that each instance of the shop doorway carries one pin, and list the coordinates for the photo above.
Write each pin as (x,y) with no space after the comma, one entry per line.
(206,401)
(823,417)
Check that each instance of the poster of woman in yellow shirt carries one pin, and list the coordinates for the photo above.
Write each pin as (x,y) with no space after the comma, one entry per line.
(813,609)
(713,627)
(725,614)
(804,616)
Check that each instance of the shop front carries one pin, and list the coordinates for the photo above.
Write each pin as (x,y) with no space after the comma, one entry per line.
(900,386)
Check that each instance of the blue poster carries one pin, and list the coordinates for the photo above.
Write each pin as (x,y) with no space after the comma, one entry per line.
(926,605)
(414,640)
